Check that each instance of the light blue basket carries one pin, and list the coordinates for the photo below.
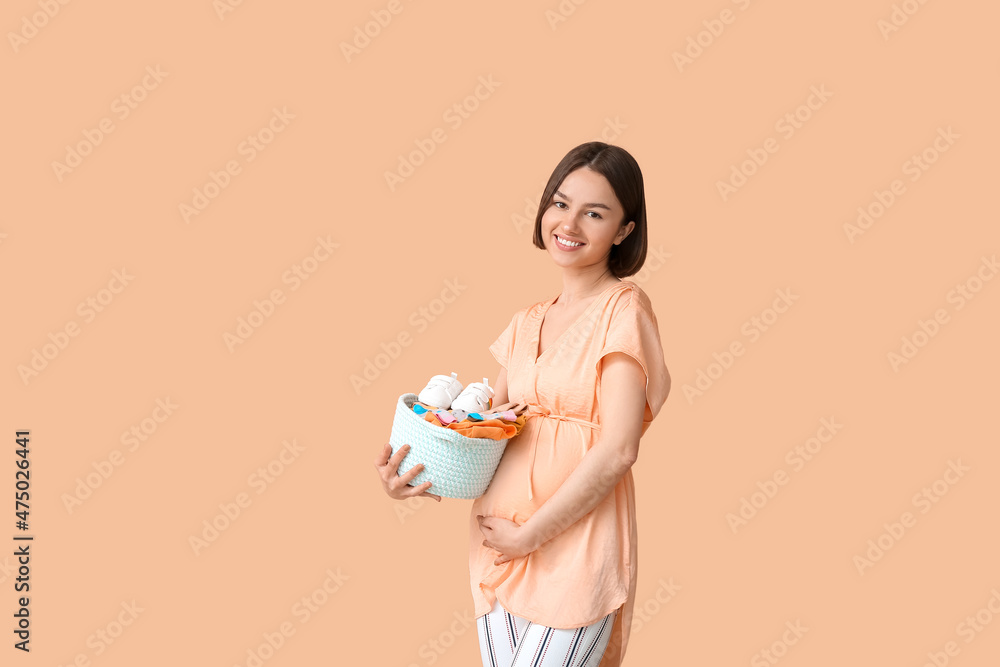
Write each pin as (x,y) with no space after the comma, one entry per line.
(457,466)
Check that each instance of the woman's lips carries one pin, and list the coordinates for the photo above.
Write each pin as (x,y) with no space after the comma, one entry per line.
(566,247)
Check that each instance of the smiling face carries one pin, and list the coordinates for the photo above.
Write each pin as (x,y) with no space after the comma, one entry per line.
(583,221)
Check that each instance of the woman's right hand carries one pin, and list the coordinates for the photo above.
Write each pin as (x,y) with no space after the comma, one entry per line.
(396,485)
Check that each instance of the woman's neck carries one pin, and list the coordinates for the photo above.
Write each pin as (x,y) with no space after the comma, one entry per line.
(582,285)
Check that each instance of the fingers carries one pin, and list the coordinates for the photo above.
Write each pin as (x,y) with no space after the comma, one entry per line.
(383,457)
(398,457)
(419,489)
(407,491)
(399,483)
(389,466)
(499,560)
(408,476)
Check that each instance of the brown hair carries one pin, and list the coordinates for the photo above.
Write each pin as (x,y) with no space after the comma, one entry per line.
(622,172)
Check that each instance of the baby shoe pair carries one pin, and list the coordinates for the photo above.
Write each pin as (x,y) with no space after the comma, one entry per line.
(446,392)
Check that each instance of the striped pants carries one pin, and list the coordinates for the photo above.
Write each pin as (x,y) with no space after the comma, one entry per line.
(506,640)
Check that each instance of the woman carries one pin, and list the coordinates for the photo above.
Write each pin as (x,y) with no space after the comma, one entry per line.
(552,550)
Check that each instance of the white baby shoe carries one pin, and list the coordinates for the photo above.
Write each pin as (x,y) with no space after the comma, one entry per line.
(476,397)
(441,390)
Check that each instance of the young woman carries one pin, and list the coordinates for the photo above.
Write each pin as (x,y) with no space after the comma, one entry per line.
(552,549)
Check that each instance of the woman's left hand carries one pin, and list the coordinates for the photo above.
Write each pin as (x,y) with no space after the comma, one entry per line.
(507,537)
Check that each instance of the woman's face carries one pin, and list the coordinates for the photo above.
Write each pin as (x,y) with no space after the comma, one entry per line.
(585,213)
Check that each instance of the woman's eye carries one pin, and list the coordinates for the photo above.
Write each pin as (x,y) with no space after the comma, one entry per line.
(559,204)
(596,214)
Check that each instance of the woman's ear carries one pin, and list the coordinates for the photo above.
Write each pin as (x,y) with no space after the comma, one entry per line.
(624,232)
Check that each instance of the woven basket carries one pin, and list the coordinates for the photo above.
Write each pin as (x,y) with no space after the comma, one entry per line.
(459,467)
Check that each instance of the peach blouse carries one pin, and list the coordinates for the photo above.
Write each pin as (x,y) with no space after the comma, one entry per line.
(589,570)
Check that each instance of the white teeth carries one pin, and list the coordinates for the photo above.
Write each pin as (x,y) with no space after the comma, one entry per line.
(571,244)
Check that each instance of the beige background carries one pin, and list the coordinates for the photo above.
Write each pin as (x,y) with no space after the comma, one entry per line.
(401,589)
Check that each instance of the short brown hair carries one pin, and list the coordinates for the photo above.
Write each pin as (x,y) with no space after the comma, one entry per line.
(622,172)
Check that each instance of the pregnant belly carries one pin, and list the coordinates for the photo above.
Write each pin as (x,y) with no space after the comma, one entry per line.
(554,461)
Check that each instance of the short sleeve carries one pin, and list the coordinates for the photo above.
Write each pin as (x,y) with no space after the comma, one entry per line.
(503,347)
(633,330)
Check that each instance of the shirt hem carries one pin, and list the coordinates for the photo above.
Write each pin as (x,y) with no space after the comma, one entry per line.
(533,616)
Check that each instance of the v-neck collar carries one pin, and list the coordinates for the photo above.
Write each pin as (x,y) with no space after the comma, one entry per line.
(536,339)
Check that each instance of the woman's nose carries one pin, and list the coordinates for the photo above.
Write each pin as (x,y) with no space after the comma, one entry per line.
(570,223)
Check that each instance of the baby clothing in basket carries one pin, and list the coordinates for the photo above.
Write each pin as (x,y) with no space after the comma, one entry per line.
(500,423)
(496,428)
(467,410)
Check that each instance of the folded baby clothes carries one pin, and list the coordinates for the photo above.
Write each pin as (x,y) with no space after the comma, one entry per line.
(495,429)
(488,428)
(445,417)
